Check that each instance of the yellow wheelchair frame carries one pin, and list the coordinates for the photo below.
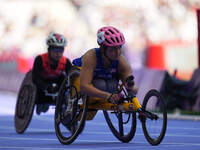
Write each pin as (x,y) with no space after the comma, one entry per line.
(96,103)
(68,106)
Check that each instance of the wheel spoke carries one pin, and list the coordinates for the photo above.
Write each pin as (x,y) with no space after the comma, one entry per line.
(124,131)
(121,128)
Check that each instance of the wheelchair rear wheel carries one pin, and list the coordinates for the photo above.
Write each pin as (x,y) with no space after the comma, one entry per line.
(154,120)
(71,110)
(25,104)
(121,124)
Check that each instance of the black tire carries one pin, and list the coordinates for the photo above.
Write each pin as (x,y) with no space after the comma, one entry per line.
(78,114)
(120,124)
(154,103)
(25,104)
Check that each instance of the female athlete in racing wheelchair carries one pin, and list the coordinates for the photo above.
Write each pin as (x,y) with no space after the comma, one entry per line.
(40,85)
(74,108)
(101,69)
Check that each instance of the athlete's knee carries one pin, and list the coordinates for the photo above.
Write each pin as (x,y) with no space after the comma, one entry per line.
(99,84)
(110,85)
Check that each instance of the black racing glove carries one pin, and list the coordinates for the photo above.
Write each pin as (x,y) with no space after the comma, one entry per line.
(130,81)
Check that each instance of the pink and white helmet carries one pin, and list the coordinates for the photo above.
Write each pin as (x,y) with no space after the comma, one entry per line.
(110,36)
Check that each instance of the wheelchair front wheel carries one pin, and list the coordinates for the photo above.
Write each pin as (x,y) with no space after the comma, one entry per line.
(154,120)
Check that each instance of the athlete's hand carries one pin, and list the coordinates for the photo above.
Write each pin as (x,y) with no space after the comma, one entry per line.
(130,85)
(114,98)
(133,89)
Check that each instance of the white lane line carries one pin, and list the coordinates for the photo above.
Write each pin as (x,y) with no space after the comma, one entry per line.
(51,118)
(183,128)
(104,141)
(29,129)
(6,127)
(182,135)
(41,148)
(98,133)
(46,117)
(180,144)
(105,133)
(143,144)
(28,139)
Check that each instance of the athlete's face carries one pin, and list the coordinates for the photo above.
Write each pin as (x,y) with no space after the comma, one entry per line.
(56,53)
(55,56)
(113,52)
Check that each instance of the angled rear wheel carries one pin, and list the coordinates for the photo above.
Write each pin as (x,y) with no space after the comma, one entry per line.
(25,104)
(71,110)
(122,123)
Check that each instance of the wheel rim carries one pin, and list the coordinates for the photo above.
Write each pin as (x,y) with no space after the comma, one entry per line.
(122,124)
(76,122)
(23,102)
(24,108)
(154,129)
(77,113)
(121,129)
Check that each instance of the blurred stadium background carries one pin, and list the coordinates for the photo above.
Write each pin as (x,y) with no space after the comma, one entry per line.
(160,34)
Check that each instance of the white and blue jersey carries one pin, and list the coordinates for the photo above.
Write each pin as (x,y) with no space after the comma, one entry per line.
(100,71)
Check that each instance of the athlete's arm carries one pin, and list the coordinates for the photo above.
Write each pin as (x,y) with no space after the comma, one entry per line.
(124,68)
(89,62)
(125,71)
(68,66)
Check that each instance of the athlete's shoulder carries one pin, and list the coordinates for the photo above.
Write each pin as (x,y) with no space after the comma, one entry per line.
(67,59)
(38,58)
(90,54)
(89,58)
(123,63)
(122,59)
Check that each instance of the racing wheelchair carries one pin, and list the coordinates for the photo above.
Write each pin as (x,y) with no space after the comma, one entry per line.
(26,100)
(74,108)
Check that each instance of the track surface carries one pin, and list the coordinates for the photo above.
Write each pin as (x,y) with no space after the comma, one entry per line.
(40,135)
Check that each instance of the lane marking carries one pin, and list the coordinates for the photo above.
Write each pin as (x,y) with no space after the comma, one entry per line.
(40,148)
(99,141)
(98,133)
(102,132)
(129,145)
